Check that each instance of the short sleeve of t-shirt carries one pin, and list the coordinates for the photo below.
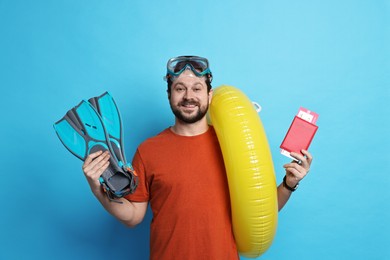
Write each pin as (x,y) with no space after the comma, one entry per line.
(141,194)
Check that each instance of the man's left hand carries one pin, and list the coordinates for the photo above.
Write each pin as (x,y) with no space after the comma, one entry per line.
(297,170)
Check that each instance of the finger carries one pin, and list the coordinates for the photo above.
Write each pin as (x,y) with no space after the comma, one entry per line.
(101,166)
(100,171)
(308,155)
(303,159)
(298,156)
(92,156)
(96,158)
(294,164)
(295,169)
(95,172)
(94,179)
(293,173)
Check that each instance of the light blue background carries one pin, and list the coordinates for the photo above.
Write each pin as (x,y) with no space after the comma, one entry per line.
(329,56)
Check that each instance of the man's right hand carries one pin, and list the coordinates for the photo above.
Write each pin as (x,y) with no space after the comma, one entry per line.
(129,213)
(93,167)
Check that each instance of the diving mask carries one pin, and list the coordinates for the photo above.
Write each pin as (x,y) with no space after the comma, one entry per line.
(198,65)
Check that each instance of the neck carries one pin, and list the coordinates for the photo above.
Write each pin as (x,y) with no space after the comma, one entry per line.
(193,129)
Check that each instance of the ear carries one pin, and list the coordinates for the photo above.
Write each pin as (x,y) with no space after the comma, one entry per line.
(210,95)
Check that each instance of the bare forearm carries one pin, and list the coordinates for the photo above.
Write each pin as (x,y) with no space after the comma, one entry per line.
(283,196)
(295,172)
(129,213)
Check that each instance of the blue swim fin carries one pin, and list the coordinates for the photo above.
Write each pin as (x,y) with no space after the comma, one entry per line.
(108,110)
(109,113)
(82,131)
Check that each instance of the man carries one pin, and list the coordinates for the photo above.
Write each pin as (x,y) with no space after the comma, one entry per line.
(183,177)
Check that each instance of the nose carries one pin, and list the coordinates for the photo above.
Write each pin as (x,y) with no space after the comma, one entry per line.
(188,94)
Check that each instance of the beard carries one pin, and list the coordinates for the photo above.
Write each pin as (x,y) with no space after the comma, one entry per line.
(186,118)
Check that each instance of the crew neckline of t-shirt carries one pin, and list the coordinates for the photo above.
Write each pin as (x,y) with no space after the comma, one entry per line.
(170,131)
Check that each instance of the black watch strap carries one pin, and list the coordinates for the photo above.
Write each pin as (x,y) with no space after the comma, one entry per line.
(292,189)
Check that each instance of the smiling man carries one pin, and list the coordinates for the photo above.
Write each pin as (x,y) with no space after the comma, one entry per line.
(182,175)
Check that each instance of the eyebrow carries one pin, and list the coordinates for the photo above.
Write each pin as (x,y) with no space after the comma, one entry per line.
(185,85)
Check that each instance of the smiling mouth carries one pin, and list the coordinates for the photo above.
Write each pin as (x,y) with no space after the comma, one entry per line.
(189,104)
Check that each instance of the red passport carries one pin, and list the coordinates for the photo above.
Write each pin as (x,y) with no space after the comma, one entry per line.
(299,135)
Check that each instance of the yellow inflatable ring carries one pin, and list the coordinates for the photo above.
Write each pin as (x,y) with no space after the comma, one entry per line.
(249,169)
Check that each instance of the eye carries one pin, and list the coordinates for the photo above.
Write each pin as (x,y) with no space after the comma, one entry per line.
(179,89)
(197,88)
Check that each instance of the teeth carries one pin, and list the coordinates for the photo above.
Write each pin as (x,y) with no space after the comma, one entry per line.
(188,105)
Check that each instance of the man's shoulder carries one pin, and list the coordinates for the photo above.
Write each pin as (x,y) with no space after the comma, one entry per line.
(160,137)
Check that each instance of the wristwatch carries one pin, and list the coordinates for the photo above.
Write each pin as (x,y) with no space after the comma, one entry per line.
(292,189)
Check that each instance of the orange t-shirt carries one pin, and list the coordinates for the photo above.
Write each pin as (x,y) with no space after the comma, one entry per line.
(185,181)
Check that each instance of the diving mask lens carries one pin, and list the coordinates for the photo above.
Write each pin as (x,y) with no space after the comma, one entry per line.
(199,65)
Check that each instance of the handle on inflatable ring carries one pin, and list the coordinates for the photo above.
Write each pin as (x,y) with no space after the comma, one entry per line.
(249,169)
